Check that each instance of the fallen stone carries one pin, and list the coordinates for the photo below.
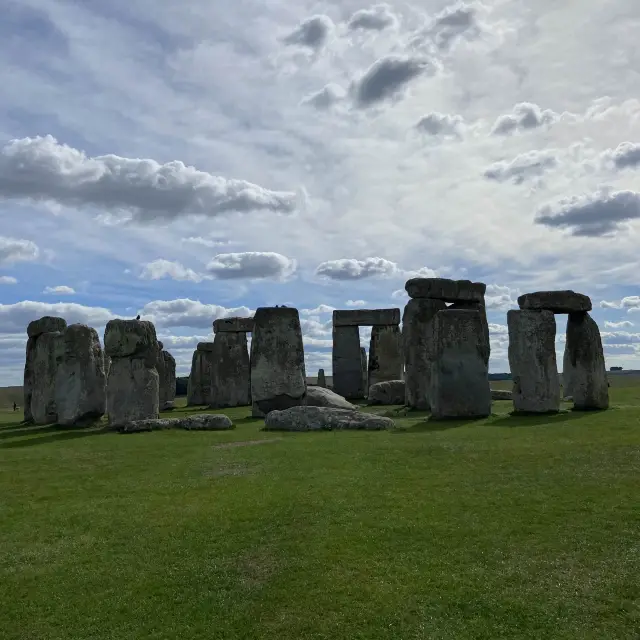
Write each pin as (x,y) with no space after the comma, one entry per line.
(46,324)
(389,392)
(459,372)
(418,342)
(133,391)
(555,301)
(365,317)
(386,359)
(278,377)
(230,371)
(501,394)
(322,397)
(48,353)
(588,374)
(199,422)
(322,380)
(324,419)
(347,363)
(169,405)
(446,290)
(233,325)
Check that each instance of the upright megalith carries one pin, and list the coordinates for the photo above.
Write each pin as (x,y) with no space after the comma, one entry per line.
(364,366)
(133,385)
(532,358)
(322,379)
(167,373)
(460,369)
(386,361)
(347,363)
(230,371)
(418,343)
(278,377)
(80,391)
(566,372)
(200,378)
(233,325)
(41,362)
(586,365)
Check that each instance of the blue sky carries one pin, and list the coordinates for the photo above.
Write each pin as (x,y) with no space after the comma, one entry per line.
(192,163)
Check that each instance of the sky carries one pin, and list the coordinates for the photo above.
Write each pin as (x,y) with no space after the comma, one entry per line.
(190,161)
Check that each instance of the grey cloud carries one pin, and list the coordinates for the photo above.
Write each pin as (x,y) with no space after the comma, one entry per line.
(159,269)
(326,97)
(441,124)
(625,156)
(251,265)
(453,22)
(598,214)
(628,302)
(387,77)
(620,337)
(14,318)
(618,325)
(531,164)
(17,250)
(41,169)
(524,116)
(499,298)
(376,18)
(352,269)
(188,313)
(312,32)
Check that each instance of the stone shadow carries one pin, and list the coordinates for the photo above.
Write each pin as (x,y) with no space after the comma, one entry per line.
(56,434)
(513,420)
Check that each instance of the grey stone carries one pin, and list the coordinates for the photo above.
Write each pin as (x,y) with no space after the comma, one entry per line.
(476,306)
(588,374)
(167,372)
(233,325)
(386,361)
(46,324)
(107,363)
(501,394)
(532,358)
(199,422)
(48,353)
(555,301)
(324,419)
(389,392)
(28,380)
(365,317)
(199,386)
(459,371)
(160,345)
(133,390)
(419,344)
(169,405)
(364,365)
(131,339)
(566,372)
(81,384)
(230,371)
(278,377)
(347,363)
(321,397)
(205,347)
(446,290)
(322,379)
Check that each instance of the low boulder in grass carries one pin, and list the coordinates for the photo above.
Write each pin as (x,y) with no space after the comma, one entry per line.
(307,418)
(389,392)
(199,422)
(501,394)
(322,397)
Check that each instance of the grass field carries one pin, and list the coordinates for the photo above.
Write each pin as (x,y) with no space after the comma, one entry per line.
(501,528)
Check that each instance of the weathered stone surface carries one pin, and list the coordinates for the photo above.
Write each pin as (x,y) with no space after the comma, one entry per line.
(107,364)
(555,301)
(278,377)
(46,324)
(47,355)
(476,306)
(459,372)
(324,419)
(230,371)
(160,345)
(200,384)
(322,379)
(133,391)
(419,344)
(28,380)
(167,379)
(501,394)
(81,384)
(446,290)
(233,325)
(364,365)
(389,392)
(532,358)
(347,363)
(200,422)
(566,373)
(365,317)
(587,370)
(131,339)
(168,406)
(206,347)
(386,361)
(321,397)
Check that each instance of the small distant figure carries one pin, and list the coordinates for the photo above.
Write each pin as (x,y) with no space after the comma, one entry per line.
(15,406)
(138,317)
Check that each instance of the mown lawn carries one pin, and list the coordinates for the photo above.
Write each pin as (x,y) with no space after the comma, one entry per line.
(502,528)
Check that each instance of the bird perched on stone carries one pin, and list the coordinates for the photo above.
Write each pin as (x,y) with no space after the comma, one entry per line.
(138,317)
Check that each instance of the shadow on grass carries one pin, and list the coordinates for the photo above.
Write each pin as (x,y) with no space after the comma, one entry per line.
(433,425)
(513,420)
(56,434)
(247,420)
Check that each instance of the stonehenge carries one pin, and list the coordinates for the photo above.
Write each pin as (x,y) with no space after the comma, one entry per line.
(200,379)
(230,369)
(321,381)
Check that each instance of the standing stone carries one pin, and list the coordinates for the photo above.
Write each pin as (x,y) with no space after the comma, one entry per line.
(107,364)
(566,372)
(133,386)
(81,386)
(532,358)
(460,369)
(364,364)
(347,363)
(587,368)
(418,342)
(385,354)
(278,377)
(230,371)
(322,380)
(476,306)
(200,378)
(47,356)
(168,385)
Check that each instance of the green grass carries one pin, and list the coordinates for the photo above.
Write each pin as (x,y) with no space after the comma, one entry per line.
(502,528)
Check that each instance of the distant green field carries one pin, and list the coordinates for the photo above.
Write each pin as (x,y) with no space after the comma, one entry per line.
(500,528)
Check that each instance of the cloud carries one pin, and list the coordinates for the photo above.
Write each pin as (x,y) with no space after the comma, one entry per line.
(625,156)
(355,303)
(159,269)
(353,269)
(8,280)
(628,302)
(387,77)
(329,95)
(597,214)
(441,124)
(16,250)
(525,166)
(525,116)
(618,325)
(400,294)
(453,22)
(41,169)
(185,312)
(312,32)
(206,242)
(61,290)
(376,18)
(499,298)
(254,265)
(320,309)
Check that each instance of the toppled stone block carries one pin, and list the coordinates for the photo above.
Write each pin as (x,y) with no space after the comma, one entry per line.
(555,301)
(324,419)
(365,317)
(321,397)
(199,422)
(233,325)
(446,290)
(388,392)
(501,394)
